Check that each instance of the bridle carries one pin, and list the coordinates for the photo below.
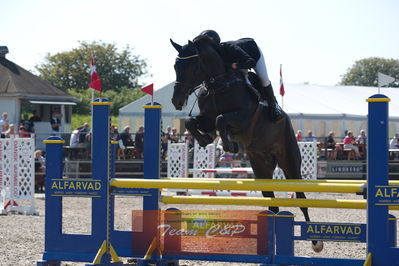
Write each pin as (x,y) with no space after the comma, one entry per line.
(191,90)
(209,85)
(211,80)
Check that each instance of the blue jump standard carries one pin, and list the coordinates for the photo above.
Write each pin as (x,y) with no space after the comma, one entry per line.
(105,244)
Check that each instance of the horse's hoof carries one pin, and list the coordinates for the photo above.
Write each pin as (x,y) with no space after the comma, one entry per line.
(202,144)
(205,141)
(318,247)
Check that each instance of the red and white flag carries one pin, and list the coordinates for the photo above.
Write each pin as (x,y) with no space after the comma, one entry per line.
(94,78)
(282,91)
(149,89)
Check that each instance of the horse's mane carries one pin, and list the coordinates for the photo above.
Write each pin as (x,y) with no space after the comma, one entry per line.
(207,47)
(204,41)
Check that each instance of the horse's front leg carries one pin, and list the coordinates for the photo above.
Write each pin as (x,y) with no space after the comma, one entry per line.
(229,123)
(201,129)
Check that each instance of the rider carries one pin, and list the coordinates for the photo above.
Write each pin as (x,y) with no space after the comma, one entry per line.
(244,54)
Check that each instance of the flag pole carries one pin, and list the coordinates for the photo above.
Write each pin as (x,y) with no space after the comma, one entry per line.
(282,90)
(91,62)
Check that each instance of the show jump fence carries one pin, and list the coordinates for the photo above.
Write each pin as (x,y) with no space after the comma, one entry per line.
(17,176)
(105,243)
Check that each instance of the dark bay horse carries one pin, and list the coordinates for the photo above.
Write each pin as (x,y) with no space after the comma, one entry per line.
(228,106)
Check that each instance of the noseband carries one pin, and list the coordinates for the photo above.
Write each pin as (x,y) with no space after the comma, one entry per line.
(191,90)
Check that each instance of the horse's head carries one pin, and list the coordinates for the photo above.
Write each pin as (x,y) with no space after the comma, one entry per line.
(194,64)
(187,68)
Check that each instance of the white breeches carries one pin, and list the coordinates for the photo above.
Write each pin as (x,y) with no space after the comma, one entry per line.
(260,70)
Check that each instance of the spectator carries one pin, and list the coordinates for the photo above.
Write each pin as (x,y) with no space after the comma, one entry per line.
(164,145)
(394,142)
(349,143)
(126,140)
(139,143)
(88,139)
(3,134)
(174,137)
(361,142)
(331,144)
(126,137)
(309,137)
(39,171)
(23,133)
(165,138)
(189,139)
(83,131)
(361,139)
(299,136)
(55,123)
(168,132)
(34,117)
(27,124)
(74,140)
(114,132)
(10,132)
(4,123)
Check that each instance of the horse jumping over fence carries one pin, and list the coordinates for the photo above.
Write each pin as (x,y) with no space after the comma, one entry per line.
(228,106)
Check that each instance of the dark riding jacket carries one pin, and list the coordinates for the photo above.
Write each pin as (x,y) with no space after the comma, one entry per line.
(244,52)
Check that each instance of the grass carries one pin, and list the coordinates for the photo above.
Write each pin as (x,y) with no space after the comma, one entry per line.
(79,119)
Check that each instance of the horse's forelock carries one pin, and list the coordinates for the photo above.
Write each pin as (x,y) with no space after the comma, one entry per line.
(188,50)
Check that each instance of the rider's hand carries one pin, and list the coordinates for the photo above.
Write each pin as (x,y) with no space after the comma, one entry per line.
(234,66)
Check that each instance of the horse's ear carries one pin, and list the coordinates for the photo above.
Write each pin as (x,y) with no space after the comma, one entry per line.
(177,46)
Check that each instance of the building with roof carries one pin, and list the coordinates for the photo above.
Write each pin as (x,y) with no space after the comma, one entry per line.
(311,107)
(21,92)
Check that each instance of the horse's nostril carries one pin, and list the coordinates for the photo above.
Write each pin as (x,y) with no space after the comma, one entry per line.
(177,104)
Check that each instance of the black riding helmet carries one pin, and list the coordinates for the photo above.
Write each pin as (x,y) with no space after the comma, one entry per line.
(212,34)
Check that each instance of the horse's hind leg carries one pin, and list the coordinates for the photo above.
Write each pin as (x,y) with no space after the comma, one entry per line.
(263,166)
(291,166)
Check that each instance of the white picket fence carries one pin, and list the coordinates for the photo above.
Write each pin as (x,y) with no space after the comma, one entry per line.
(17,176)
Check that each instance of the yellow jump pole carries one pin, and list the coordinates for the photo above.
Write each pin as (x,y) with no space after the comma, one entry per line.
(249,185)
(265,202)
(391,182)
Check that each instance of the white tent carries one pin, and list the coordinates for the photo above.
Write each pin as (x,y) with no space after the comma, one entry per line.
(311,107)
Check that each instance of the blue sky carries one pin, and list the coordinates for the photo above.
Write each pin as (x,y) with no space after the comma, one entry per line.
(316,41)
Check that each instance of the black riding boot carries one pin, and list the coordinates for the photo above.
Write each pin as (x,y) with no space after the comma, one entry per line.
(275,111)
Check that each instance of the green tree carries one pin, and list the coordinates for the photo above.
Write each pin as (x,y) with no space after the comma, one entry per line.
(365,72)
(71,71)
